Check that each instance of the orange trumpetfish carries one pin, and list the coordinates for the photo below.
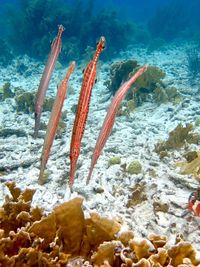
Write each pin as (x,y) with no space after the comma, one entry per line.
(110,118)
(46,76)
(53,121)
(83,108)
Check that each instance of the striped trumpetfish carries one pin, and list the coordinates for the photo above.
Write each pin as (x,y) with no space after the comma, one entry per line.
(110,118)
(46,76)
(53,121)
(83,108)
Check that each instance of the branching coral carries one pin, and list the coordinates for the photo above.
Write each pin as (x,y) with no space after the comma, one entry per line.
(148,86)
(192,166)
(66,238)
(177,138)
(119,73)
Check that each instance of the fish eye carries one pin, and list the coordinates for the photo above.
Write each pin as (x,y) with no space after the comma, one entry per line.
(192,197)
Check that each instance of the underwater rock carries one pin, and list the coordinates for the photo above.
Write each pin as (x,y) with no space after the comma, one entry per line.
(17,163)
(6,132)
(134,167)
(6,92)
(25,102)
(173,95)
(113,161)
(126,108)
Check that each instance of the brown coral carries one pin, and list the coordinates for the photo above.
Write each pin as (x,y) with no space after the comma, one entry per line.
(65,238)
(178,137)
(119,73)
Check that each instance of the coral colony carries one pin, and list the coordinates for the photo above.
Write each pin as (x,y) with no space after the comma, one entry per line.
(65,237)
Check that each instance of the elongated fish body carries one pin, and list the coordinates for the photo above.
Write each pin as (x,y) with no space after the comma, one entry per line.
(82,109)
(53,121)
(194,202)
(110,118)
(46,76)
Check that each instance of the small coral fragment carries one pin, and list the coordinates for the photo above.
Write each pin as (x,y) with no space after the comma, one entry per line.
(192,167)
(138,195)
(134,167)
(113,161)
(178,137)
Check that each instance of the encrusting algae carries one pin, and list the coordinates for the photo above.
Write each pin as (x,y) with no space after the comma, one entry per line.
(65,237)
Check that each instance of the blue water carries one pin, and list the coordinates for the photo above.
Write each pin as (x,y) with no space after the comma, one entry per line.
(29,26)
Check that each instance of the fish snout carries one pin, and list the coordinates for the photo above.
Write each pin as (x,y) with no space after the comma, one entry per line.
(102,41)
(61,28)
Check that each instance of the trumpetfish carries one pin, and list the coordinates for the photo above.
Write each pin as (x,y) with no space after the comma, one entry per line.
(110,118)
(194,202)
(82,109)
(53,121)
(46,76)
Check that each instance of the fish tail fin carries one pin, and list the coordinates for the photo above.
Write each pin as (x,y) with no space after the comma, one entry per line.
(93,162)
(37,125)
(89,175)
(42,177)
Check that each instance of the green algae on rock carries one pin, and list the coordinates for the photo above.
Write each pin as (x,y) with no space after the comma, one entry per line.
(134,167)
(114,160)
